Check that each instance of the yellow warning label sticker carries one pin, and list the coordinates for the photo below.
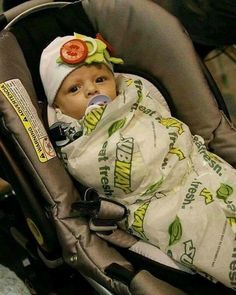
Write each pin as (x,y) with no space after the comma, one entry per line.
(18,97)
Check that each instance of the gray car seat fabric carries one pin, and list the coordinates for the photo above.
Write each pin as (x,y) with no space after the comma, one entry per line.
(54,189)
(150,39)
(48,181)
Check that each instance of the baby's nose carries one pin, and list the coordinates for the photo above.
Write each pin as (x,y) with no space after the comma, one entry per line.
(91,90)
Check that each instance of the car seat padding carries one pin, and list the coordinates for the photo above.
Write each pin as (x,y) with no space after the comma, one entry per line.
(83,249)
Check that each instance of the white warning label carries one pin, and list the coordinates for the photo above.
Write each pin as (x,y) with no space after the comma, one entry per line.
(18,97)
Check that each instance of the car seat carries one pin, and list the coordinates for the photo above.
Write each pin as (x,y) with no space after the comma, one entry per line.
(155,46)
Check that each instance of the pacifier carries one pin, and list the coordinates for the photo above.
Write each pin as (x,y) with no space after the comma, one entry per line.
(97,101)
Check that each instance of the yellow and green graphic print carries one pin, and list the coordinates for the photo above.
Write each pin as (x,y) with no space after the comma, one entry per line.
(123,164)
(128,81)
(214,157)
(92,118)
(116,126)
(178,152)
(139,87)
(224,191)
(189,253)
(139,216)
(152,188)
(207,195)
(172,123)
(175,231)
(232,223)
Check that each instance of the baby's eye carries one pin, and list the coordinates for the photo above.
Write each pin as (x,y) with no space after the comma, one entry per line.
(100,79)
(74,89)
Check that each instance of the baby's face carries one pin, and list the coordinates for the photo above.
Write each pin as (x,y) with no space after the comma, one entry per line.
(81,85)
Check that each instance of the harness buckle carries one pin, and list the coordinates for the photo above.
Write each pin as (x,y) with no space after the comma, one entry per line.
(103,213)
(102,225)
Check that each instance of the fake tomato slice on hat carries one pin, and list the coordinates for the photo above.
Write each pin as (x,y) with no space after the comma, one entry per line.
(74,51)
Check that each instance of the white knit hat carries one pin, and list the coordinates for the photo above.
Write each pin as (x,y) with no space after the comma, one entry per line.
(54,68)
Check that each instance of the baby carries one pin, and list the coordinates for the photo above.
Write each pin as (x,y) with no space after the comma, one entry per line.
(123,141)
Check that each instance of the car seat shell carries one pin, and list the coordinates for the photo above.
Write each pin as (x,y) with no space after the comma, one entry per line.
(47,183)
